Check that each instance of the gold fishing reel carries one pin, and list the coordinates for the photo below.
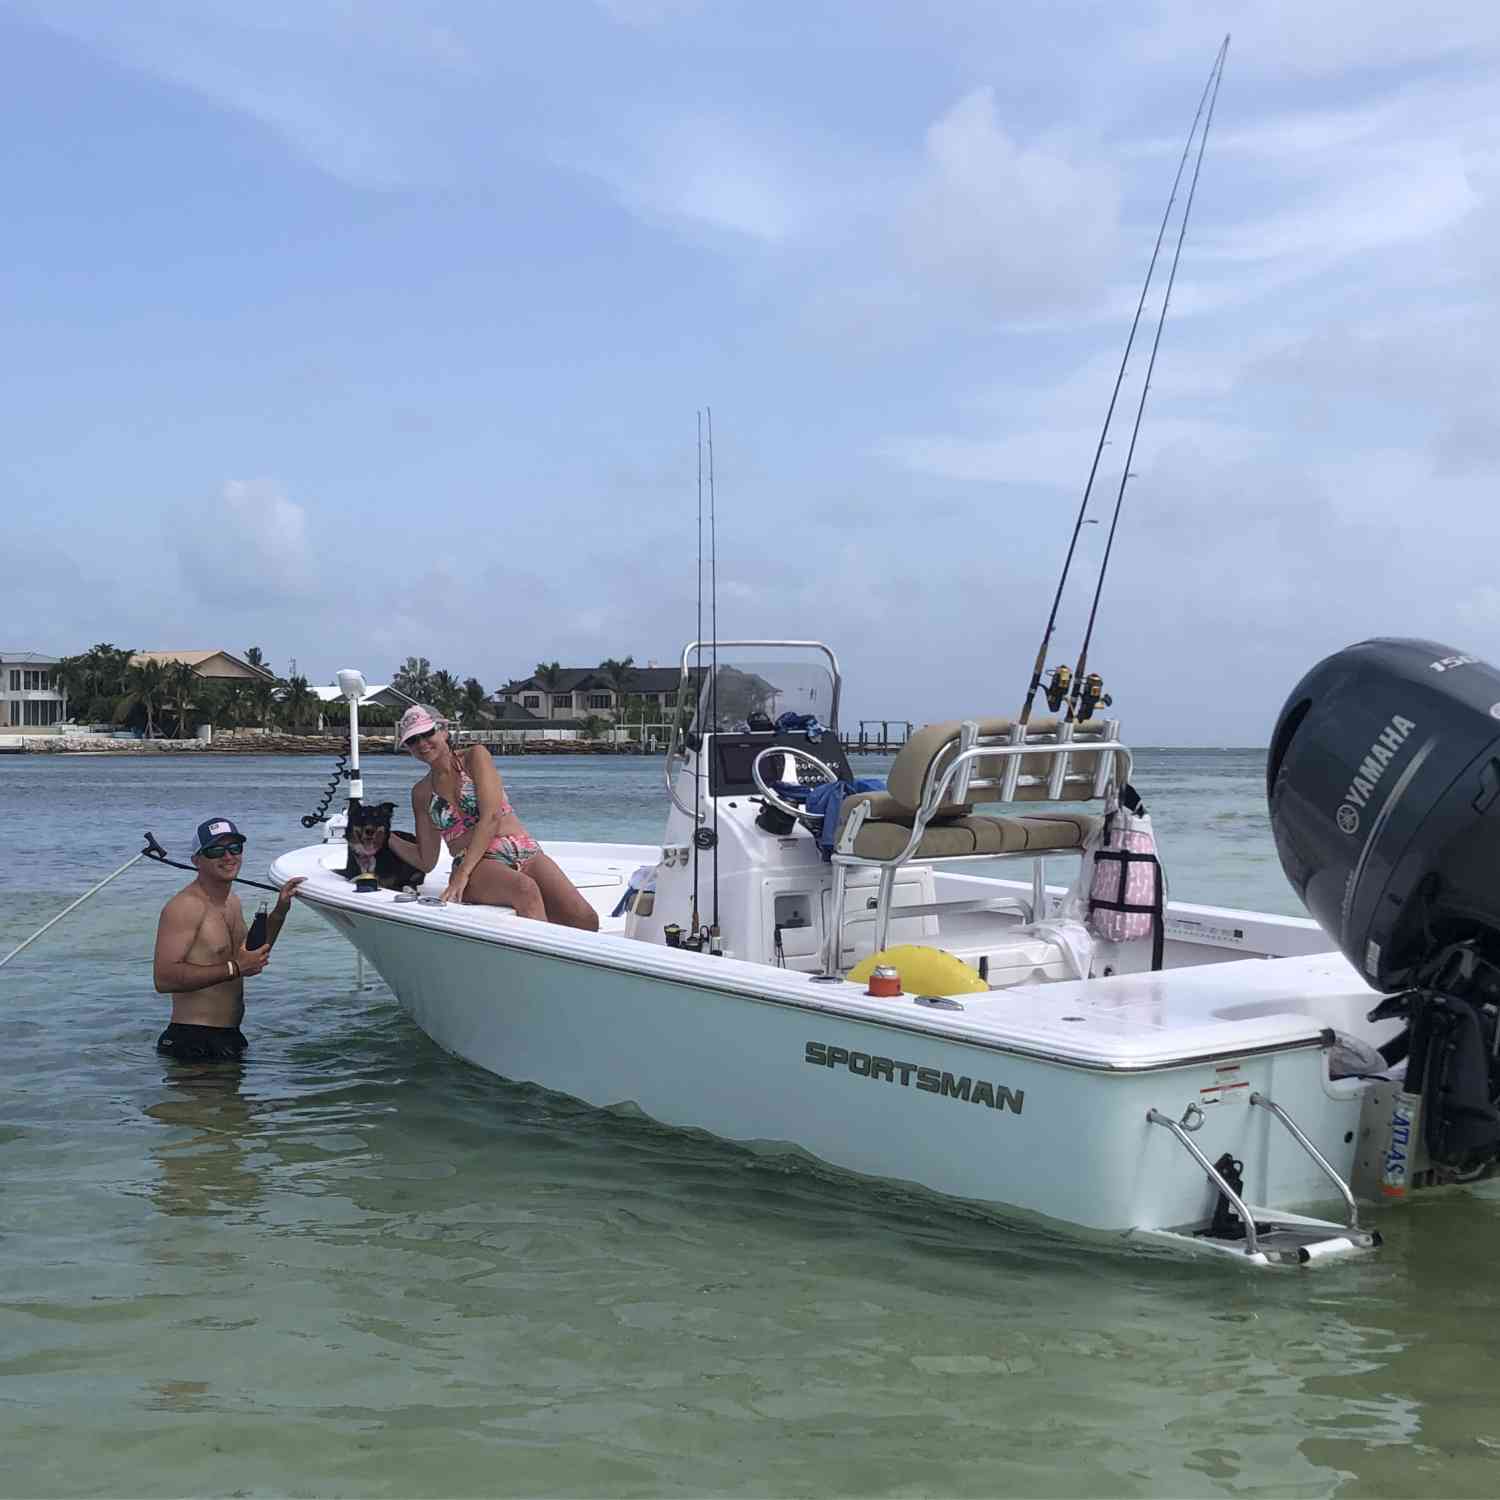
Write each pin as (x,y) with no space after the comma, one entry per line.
(1057,687)
(1092,696)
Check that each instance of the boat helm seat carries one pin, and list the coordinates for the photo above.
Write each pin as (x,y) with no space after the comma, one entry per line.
(886,830)
(945,772)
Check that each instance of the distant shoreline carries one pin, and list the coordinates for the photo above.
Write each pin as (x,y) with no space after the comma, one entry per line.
(269,744)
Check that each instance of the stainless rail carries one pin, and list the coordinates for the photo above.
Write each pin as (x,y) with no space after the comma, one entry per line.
(1252,1244)
(1302,1140)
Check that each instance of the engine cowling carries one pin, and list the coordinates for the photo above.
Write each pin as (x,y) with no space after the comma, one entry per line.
(1384,787)
(1383,780)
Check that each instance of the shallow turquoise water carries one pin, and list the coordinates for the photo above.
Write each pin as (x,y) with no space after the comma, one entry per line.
(358,1266)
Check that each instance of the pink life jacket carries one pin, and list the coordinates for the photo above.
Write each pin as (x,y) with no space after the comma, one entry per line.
(1126,893)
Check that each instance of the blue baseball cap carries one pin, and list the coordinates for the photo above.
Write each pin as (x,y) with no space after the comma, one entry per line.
(214,831)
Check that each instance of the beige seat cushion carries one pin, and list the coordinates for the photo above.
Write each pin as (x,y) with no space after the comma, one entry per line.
(954,838)
(888,810)
(934,745)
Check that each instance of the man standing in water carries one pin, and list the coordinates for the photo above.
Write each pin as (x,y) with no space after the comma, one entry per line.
(202,959)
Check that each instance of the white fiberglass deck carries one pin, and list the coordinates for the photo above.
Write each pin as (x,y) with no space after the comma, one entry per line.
(1125,1022)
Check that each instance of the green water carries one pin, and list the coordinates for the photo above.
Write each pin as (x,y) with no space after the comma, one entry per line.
(358,1266)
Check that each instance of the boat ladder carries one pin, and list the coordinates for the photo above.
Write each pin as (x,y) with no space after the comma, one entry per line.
(1279,1238)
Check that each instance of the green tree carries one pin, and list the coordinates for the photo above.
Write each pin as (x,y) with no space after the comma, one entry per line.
(229,703)
(212,702)
(445,694)
(262,702)
(594,727)
(549,674)
(72,675)
(476,701)
(144,686)
(299,703)
(96,679)
(256,657)
(182,684)
(414,678)
(619,675)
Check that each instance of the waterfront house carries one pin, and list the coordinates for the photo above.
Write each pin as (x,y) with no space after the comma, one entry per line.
(29,695)
(582,691)
(219,666)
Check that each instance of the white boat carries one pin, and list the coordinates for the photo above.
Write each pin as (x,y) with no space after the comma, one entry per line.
(1198,1105)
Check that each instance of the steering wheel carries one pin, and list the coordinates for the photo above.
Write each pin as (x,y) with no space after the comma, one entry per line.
(822,774)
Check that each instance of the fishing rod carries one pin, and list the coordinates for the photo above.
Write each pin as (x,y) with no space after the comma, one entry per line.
(154,851)
(72,906)
(1091,692)
(1057,690)
(698,695)
(715,940)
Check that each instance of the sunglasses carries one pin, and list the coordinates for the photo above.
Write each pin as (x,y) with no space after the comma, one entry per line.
(218,851)
(417,739)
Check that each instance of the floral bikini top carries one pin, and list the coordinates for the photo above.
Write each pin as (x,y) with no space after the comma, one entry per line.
(457,824)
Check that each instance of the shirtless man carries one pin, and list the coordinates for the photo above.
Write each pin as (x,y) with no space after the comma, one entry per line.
(201,957)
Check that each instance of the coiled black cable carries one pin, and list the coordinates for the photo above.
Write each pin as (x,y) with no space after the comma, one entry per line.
(341,773)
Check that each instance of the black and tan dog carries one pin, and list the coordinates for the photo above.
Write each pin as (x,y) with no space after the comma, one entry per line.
(368,837)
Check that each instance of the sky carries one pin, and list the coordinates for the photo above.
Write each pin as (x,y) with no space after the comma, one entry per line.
(360,329)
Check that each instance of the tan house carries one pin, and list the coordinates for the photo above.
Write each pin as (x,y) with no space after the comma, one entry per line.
(220,666)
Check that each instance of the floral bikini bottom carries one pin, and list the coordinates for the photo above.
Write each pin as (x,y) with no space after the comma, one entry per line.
(514,850)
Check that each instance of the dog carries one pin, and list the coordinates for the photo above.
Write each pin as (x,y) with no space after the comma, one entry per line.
(368,836)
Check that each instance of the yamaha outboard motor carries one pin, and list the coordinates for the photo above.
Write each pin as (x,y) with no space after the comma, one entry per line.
(1384,788)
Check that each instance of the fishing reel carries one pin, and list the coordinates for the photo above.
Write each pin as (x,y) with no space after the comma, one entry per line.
(1091,696)
(1057,687)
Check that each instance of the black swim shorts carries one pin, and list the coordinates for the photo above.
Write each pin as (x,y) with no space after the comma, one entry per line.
(202,1043)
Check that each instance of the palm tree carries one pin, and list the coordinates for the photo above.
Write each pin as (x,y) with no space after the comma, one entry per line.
(145,686)
(96,679)
(550,675)
(619,675)
(213,702)
(298,702)
(230,702)
(256,657)
(73,675)
(414,678)
(446,695)
(476,700)
(262,697)
(182,683)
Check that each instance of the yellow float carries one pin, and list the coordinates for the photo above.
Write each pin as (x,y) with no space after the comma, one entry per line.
(923,971)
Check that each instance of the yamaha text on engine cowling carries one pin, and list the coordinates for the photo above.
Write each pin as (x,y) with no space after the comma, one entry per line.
(1384,787)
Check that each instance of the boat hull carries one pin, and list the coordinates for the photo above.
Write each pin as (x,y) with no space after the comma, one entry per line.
(978,1122)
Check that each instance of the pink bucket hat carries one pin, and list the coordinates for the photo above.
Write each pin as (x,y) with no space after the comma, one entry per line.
(416,720)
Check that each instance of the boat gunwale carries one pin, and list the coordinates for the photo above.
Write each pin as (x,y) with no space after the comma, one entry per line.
(937,1025)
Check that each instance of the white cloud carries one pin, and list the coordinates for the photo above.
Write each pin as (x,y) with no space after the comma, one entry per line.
(251,546)
(1021,226)
(705,174)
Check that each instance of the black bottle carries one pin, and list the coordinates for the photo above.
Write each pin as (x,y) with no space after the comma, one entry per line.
(257,936)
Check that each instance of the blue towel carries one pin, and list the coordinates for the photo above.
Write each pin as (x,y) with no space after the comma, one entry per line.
(790,723)
(828,801)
